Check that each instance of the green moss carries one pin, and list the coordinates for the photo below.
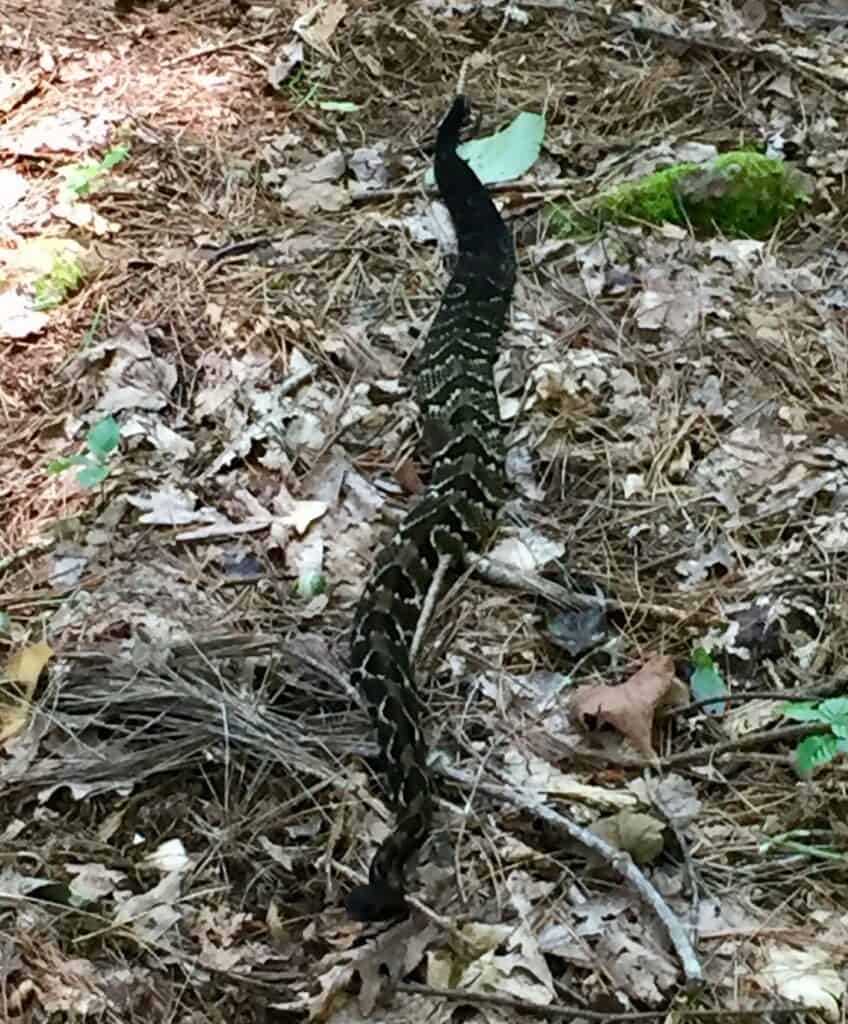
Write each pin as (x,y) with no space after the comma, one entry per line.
(567,222)
(740,193)
(65,277)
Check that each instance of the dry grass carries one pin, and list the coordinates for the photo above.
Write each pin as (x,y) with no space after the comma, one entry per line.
(193,694)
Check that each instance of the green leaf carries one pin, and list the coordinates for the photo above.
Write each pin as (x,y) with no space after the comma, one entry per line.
(65,277)
(707,681)
(310,584)
(46,295)
(506,154)
(813,752)
(5,622)
(834,710)
(103,437)
(92,475)
(114,156)
(340,106)
(80,176)
(802,711)
(60,465)
(701,658)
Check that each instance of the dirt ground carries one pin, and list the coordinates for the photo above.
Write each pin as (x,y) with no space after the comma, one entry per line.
(188,788)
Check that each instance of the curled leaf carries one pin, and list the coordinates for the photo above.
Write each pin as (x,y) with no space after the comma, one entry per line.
(630,707)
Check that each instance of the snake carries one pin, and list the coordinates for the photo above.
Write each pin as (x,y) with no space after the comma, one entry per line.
(455,515)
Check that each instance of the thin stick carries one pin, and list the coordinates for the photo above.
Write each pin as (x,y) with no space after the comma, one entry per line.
(750,742)
(689,872)
(620,861)
(37,546)
(527,187)
(500,574)
(232,44)
(429,605)
(699,755)
(459,995)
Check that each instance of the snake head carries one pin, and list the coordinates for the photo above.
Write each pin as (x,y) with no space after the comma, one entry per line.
(376,901)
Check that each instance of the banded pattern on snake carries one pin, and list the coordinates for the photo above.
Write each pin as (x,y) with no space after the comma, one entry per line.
(456,394)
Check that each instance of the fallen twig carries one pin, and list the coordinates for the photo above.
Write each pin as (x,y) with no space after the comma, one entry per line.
(557,186)
(502,575)
(230,44)
(620,861)
(701,754)
(752,742)
(37,546)
(459,995)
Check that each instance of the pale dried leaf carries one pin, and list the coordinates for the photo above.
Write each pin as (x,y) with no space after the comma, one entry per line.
(531,773)
(521,972)
(675,796)
(169,856)
(92,882)
(807,976)
(151,913)
(18,317)
(172,507)
(528,550)
(397,950)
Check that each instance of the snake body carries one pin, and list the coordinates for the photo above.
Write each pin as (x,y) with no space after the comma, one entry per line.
(456,394)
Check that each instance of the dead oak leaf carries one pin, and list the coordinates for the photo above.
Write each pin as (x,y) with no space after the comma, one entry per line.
(380,965)
(631,706)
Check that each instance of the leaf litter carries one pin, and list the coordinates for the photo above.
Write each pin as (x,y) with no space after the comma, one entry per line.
(675,414)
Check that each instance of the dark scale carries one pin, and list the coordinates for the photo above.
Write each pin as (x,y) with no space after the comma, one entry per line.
(456,393)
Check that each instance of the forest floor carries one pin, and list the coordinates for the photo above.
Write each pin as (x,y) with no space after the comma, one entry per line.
(219,209)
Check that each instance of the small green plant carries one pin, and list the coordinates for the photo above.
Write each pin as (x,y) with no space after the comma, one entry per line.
(93,467)
(65,277)
(82,179)
(815,751)
(310,584)
(94,326)
(306,93)
(792,842)
(303,92)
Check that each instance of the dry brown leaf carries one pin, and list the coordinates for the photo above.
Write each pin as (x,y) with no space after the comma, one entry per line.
(630,707)
(379,964)
(17,685)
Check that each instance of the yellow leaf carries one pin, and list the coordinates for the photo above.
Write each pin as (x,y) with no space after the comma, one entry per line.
(26,666)
(17,685)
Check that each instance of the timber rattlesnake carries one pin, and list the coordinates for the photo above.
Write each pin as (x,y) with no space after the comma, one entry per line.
(456,393)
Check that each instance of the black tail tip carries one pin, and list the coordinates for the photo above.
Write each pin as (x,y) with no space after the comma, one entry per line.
(376,902)
(453,121)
